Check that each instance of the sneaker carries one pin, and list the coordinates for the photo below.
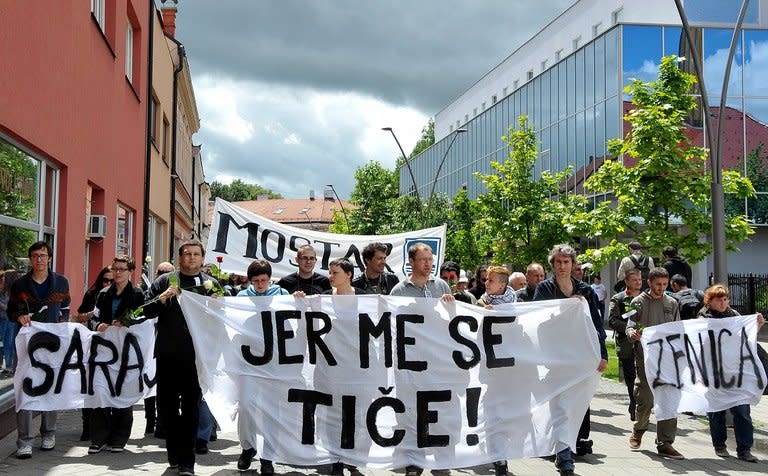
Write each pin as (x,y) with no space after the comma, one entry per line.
(244,461)
(266,468)
(337,469)
(96,448)
(117,449)
(747,456)
(500,468)
(635,439)
(184,471)
(25,452)
(722,452)
(667,451)
(201,447)
(49,443)
(584,447)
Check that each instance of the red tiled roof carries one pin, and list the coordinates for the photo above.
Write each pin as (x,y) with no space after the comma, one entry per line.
(295,210)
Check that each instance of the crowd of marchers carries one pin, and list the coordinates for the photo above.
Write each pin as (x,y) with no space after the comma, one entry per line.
(645,296)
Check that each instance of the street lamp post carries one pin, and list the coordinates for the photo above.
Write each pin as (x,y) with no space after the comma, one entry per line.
(440,167)
(719,262)
(410,171)
(343,210)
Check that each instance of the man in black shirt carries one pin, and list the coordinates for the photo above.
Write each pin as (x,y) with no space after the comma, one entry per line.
(305,279)
(375,279)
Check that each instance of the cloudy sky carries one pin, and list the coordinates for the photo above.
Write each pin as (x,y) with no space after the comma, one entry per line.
(293,94)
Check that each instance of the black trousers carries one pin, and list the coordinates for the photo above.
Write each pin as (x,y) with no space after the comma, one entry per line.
(111,426)
(630,374)
(178,405)
(585,427)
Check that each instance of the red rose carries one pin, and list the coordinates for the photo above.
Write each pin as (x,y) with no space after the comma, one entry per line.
(219,259)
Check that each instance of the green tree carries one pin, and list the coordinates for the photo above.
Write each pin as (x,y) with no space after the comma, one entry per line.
(18,183)
(663,199)
(462,244)
(427,139)
(239,190)
(374,196)
(521,217)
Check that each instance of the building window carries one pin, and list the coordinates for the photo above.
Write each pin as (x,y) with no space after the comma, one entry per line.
(457,124)
(154,108)
(494,99)
(515,84)
(617,16)
(544,65)
(596,29)
(483,105)
(466,118)
(558,55)
(576,43)
(97,10)
(129,51)
(474,112)
(504,93)
(166,145)
(529,75)
(124,232)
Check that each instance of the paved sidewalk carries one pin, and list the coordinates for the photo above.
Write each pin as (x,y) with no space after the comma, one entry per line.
(610,431)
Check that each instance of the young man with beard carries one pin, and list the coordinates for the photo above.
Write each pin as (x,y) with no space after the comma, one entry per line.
(562,259)
(653,307)
(375,279)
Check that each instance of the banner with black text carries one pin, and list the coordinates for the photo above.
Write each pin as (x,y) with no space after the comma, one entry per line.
(703,365)
(238,237)
(66,366)
(384,382)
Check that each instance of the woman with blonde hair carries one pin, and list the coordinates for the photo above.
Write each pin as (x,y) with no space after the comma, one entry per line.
(717,306)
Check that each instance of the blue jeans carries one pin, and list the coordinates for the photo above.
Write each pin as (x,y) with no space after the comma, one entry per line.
(8,330)
(742,428)
(564,459)
(205,423)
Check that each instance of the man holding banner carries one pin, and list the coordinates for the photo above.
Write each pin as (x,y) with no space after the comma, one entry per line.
(653,307)
(305,279)
(40,295)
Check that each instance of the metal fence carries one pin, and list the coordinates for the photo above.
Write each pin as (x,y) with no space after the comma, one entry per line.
(749,292)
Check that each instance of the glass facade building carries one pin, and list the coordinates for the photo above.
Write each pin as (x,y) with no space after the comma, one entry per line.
(576,105)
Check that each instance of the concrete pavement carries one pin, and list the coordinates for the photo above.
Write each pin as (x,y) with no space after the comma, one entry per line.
(610,431)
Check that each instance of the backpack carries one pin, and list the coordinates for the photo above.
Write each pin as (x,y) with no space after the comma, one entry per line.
(689,302)
(642,265)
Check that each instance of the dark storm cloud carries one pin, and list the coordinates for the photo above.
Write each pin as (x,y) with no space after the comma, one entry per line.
(420,53)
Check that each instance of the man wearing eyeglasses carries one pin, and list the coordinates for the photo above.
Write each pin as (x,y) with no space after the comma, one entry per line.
(305,280)
(43,296)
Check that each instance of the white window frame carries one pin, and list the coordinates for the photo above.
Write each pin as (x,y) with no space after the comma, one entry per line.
(97,9)
(129,51)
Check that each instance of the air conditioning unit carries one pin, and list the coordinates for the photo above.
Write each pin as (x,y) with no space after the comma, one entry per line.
(97,226)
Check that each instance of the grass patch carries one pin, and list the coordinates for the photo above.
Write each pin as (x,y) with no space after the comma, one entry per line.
(612,371)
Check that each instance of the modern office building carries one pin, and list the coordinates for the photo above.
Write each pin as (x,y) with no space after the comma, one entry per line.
(569,79)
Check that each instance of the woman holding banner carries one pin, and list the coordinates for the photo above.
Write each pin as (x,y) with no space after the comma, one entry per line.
(340,274)
(716,306)
(112,426)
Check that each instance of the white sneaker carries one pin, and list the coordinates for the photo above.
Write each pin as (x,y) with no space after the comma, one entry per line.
(49,443)
(25,452)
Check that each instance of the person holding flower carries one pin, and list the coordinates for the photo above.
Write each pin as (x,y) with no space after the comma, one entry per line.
(39,295)
(114,306)
(178,389)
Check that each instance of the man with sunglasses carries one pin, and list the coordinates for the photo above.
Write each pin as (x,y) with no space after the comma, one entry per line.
(305,280)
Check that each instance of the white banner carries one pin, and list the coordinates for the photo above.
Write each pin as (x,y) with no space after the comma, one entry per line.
(383,381)
(703,365)
(65,366)
(238,237)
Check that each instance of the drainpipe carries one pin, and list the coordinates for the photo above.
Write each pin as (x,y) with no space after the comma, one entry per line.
(174,175)
(148,151)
